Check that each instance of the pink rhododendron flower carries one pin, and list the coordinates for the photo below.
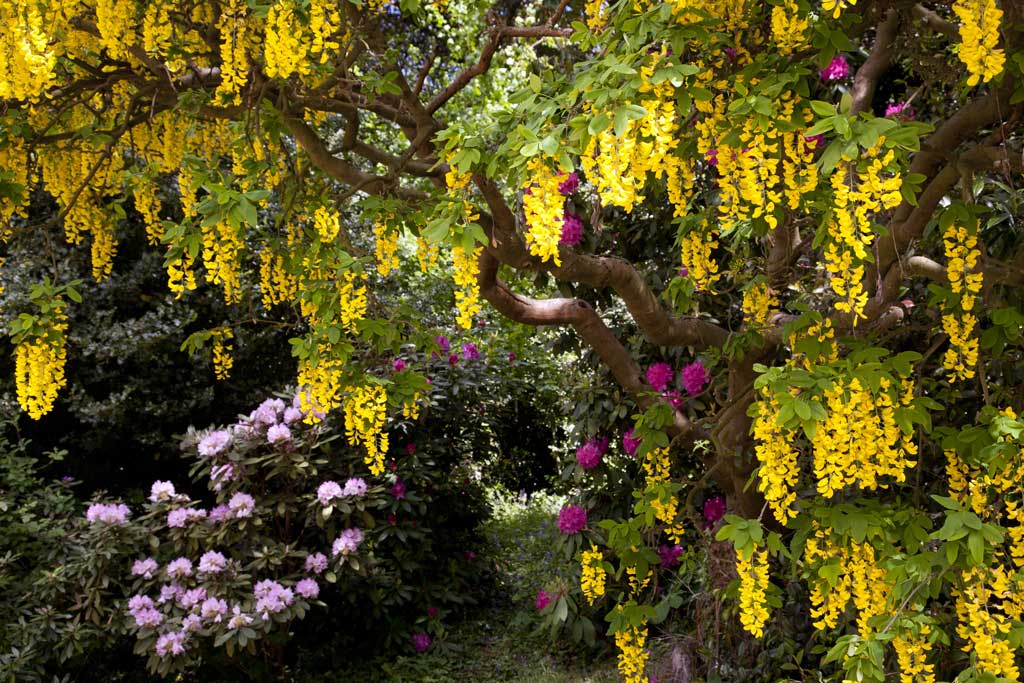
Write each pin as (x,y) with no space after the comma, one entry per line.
(589,454)
(241,505)
(271,597)
(328,491)
(511,356)
(268,412)
(900,110)
(214,442)
(161,491)
(316,563)
(181,517)
(220,513)
(420,642)
(170,592)
(347,543)
(112,513)
(212,562)
(443,342)
(221,474)
(308,588)
(837,69)
(673,397)
(659,375)
(630,443)
(543,599)
(239,619)
(693,377)
(192,597)
(148,618)
(354,488)
(572,230)
(137,603)
(179,568)
(146,568)
(214,609)
(570,185)
(292,415)
(279,433)
(172,643)
(572,519)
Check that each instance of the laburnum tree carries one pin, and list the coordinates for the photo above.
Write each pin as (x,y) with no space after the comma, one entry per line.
(816,199)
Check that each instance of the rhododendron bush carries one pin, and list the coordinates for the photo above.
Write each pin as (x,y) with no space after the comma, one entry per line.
(785,235)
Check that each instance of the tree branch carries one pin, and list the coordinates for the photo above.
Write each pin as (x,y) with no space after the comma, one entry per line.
(866,78)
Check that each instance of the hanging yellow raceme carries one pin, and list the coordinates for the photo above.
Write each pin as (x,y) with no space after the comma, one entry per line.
(285,44)
(958,320)
(222,349)
(385,247)
(365,418)
(657,468)
(592,574)
(465,269)
(320,383)
(234,61)
(544,208)
(353,299)
(27,59)
(753,574)
(788,27)
(980,23)
(39,363)
(779,473)
(633,654)
(758,302)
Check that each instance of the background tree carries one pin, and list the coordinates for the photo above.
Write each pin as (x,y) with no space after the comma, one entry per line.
(740,198)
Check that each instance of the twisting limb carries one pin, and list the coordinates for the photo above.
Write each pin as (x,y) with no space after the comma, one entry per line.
(935,22)
(867,76)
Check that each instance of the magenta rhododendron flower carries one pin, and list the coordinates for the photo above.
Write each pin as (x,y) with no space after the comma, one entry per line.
(511,356)
(543,599)
(814,141)
(572,519)
(399,365)
(398,490)
(410,449)
(674,398)
(431,612)
(837,69)
(630,443)
(589,454)
(453,359)
(570,185)
(669,555)
(420,642)
(711,156)
(714,509)
(900,110)
(470,352)
(443,342)
(659,375)
(693,378)
(572,230)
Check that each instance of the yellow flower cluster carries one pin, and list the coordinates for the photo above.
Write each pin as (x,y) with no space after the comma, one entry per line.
(980,21)
(180,275)
(104,245)
(324,21)
(758,300)
(385,247)
(836,7)
(326,223)
(859,442)
(984,630)
(222,348)
(633,654)
(859,577)
(411,408)
(365,417)
(39,367)
(544,209)
(592,574)
(156,29)
(822,332)
(352,299)
(658,470)
(234,61)
(321,385)
(285,43)
(148,206)
(733,14)
(855,196)
(779,471)
(465,268)
(788,28)
(277,284)
(222,245)
(912,656)
(753,574)
(115,21)
(596,15)
(426,254)
(27,58)
(961,245)
(696,248)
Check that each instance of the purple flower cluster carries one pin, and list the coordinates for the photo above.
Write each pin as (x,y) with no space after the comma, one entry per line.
(572,519)
(146,568)
(589,454)
(398,365)
(328,491)
(714,509)
(570,185)
(398,489)
(272,597)
(543,599)
(572,230)
(308,588)
(241,505)
(693,377)
(347,542)
(900,110)
(278,433)
(214,443)
(108,513)
(171,644)
(192,598)
(630,443)
(659,375)
(355,487)
(181,517)
(141,609)
(470,352)
(316,563)
(214,609)
(443,342)
(837,69)
(212,562)
(420,642)
(669,555)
